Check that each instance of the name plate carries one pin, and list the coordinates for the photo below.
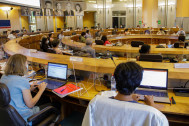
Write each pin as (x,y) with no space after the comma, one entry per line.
(33,50)
(181,65)
(77,59)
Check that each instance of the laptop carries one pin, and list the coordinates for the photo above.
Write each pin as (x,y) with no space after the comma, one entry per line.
(56,75)
(154,82)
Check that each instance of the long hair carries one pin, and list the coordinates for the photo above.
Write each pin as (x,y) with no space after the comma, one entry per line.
(16,65)
(104,38)
(80,8)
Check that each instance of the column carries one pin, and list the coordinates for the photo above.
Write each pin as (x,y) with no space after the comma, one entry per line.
(150,13)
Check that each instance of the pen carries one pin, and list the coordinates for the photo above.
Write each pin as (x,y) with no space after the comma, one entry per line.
(173,100)
(63,90)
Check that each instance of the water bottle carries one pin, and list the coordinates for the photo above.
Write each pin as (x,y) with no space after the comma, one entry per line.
(108,53)
(113,83)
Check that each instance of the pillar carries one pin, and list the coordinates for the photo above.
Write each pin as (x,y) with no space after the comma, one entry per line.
(150,13)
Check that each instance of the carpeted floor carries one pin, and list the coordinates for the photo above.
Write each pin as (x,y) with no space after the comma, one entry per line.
(75,119)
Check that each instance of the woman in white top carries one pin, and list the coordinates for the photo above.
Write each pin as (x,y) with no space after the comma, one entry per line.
(12,35)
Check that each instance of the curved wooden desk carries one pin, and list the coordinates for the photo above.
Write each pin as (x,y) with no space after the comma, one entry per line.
(174,112)
(148,39)
(88,64)
(127,48)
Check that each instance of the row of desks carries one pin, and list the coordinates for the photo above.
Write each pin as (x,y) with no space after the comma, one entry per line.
(179,111)
(89,64)
(127,48)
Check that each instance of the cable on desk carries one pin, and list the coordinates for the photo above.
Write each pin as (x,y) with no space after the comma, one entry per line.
(186,84)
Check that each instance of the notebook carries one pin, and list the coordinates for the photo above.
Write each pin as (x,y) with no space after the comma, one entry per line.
(66,90)
(56,75)
(154,82)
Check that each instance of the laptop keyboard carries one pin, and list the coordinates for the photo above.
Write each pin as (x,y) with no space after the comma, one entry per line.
(53,84)
(157,94)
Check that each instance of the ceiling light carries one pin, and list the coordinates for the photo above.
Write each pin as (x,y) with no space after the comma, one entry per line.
(6,8)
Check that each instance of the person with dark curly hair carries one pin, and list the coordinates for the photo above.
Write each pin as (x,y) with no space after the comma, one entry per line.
(145,49)
(105,40)
(128,77)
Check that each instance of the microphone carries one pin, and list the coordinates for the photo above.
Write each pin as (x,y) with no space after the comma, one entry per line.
(113,60)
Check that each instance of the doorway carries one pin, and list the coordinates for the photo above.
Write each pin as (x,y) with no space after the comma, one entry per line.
(119,19)
(88,19)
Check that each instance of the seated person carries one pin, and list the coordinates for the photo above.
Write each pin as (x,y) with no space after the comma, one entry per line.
(180,43)
(19,87)
(50,38)
(98,33)
(44,44)
(88,34)
(147,32)
(12,35)
(82,37)
(145,49)
(55,48)
(127,32)
(105,40)
(61,35)
(128,77)
(181,32)
(25,34)
(88,48)
(161,32)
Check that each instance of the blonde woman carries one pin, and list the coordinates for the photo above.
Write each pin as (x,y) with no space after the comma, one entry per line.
(19,87)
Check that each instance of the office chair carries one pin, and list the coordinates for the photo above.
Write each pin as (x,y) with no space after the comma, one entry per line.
(99,42)
(151,58)
(10,117)
(74,33)
(136,43)
(58,29)
(4,32)
(180,44)
(51,51)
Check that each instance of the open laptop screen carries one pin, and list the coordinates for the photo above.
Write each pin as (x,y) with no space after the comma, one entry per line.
(155,78)
(57,71)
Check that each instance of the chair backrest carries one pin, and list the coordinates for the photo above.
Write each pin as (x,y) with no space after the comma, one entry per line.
(51,51)
(136,43)
(180,44)
(105,111)
(151,58)
(8,114)
(99,42)
(176,45)
(74,33)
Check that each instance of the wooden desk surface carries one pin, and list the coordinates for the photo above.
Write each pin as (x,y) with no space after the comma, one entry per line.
(128,48)
(152,36)
(89,64)
(180,108)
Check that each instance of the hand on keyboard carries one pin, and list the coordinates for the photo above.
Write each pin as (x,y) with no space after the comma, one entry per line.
(135,97)
(149,100)
(42,86)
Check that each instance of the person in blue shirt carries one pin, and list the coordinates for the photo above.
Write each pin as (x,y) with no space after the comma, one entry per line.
(19,87)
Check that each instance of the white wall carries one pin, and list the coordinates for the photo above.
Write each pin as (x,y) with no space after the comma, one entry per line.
(40,23)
